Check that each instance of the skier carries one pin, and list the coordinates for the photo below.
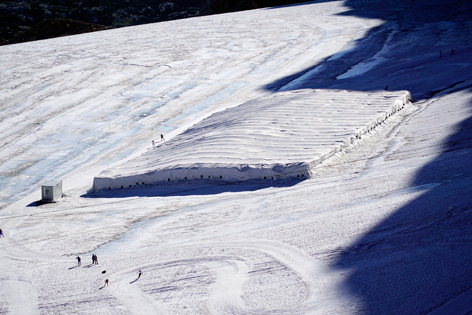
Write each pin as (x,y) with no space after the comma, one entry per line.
(139,274)
(78,261)
(96,260)
(162,137)
(1,233)
(106,283)
(153,144)
(93,259)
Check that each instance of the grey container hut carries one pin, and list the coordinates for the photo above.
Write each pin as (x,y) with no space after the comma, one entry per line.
(51,192)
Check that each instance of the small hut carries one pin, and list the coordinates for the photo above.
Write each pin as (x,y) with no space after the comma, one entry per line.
(51,192)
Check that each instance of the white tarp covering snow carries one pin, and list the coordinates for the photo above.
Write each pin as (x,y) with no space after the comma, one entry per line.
(278,136)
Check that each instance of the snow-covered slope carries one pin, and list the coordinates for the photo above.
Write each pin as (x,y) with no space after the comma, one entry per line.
(278,136)
(95,99)
(383,228)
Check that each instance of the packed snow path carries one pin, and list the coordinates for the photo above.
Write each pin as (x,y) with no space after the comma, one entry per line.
(278,136)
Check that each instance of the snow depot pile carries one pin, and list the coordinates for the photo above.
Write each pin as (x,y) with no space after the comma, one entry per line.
(281,135)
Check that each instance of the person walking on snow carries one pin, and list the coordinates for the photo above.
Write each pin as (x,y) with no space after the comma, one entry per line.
(106,283)
(162,137)
(139,274)
(78,261)
(1,233)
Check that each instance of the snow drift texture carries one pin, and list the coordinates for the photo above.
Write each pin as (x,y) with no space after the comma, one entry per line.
(273,137)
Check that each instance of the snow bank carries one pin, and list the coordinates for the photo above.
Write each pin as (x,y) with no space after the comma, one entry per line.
(281,135)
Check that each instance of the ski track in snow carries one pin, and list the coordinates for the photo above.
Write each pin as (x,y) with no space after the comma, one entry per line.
(231,274)
(226,298)
(132,297)
(314,275)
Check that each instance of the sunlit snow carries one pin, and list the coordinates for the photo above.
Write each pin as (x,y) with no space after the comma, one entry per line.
(380,224)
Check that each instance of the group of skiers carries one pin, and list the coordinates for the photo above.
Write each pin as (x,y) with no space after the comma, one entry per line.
(94,259)
(94,262)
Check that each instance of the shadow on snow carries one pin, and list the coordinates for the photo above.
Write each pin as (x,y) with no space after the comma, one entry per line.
(189,189)
(420,256)
(422,64)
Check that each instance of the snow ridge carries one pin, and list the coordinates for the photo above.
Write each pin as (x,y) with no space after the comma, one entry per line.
(282,135)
